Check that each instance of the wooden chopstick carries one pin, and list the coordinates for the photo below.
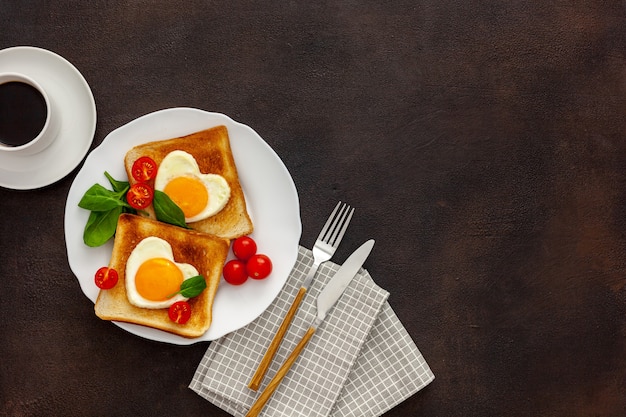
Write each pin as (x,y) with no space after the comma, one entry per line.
(257,378)
(275,382)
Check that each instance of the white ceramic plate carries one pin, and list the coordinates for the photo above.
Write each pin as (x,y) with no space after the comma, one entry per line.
(270,195)
(72,96)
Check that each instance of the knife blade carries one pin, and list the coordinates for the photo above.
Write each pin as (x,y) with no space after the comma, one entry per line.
(327,298)
(340,281)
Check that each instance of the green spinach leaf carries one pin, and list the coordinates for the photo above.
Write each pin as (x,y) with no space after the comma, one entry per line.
(105,206)
(167,211)
(98,198)
(101,226)
(191,287)
(118,186)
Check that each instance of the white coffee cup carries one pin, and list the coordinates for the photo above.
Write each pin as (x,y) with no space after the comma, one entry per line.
(24,107)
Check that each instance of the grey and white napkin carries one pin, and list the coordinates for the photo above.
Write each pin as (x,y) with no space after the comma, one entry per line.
(360,362)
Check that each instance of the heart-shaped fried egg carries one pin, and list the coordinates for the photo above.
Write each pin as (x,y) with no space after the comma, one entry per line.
(152,275)
(198,195)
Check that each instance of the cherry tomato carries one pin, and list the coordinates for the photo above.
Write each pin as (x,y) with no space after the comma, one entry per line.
(179,312)
(140,195)
(235,272)
(259,266)
(244,247)
(144,169)
(106,278)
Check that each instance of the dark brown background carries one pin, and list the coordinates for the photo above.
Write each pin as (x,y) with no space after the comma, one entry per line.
(482,142)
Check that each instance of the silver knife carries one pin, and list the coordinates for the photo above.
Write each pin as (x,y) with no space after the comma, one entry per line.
(325,301)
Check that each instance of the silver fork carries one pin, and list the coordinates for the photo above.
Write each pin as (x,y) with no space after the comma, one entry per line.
(323,249)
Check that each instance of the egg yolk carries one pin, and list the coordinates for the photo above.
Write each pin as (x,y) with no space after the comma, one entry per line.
(188,193)
(157,279)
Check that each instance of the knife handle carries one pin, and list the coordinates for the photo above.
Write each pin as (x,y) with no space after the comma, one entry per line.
(256,408)
(257,378)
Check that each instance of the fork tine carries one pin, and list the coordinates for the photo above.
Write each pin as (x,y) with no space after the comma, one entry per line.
(337,219)
(328,223)
(341,225)
(336,222)
(344,226)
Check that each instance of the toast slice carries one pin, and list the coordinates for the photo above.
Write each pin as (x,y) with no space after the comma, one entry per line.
(211,149)
(206,252)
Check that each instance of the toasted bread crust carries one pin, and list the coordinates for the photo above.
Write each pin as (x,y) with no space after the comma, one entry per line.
(211,149)
(207,253)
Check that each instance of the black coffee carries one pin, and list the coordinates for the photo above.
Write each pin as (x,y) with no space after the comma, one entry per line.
(22,113)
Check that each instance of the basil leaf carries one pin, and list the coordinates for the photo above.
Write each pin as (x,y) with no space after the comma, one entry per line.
(105,206)
(193,286)
(101,226)
(98,198)
(167,211)
(118,186)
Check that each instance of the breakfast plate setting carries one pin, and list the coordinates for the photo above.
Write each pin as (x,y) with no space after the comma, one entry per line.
(353,342)
(277,227)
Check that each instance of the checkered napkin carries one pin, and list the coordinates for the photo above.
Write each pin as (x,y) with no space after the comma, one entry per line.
(360,362)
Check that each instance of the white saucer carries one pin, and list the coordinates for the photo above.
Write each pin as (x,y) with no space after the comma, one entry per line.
(72,95)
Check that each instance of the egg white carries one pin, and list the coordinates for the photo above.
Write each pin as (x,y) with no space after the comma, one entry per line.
(152,247)
(180,163)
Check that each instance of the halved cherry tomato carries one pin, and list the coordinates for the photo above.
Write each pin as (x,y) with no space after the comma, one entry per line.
(144,169)
(106,278)
(244,247)
(259,266)
(179,312)
(140,195)
(235,272)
